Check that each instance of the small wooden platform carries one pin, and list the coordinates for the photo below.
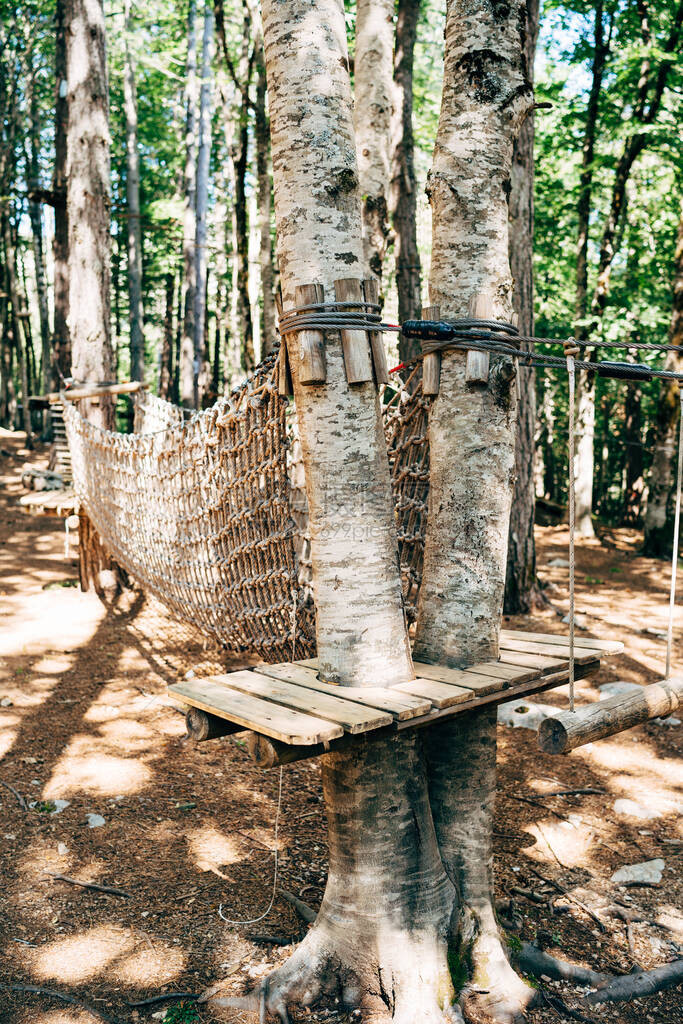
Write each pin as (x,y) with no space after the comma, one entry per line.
(287,702)
(50,503)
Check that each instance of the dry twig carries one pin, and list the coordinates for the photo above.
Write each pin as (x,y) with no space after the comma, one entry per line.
(89,885)
(570,896)
(20,800)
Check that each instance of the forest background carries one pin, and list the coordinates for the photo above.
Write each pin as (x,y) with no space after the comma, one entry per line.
(193,269)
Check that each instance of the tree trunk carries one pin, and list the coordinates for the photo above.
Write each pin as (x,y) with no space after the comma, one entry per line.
(380,939)
(486,95)
(373,108)
(136,312)
(240,155)
(61,342)
(403,190)
(20,330)
(583,209)
(521,586)
(660,502)
(187,364)
(89,205)
(166,360)
(202,198)
(262,135)
(36,218)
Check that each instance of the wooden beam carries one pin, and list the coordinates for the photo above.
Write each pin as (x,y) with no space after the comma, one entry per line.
(566,731)
(127,387)
(202,726)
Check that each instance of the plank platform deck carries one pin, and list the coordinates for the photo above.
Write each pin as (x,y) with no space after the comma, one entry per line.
(288,702)
(62,502)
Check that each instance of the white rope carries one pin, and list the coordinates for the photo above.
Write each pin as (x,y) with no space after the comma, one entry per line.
(255,920)
(674,557)
(571,370)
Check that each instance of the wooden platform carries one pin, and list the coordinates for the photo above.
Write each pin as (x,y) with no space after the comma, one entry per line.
(287,702)
(50,503)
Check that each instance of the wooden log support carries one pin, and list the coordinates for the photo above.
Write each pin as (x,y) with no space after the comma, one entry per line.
(284,380)
(311,367)
(355,345)
(202,726)
(477,369)
(379,355)
(95,390)
(566,731)
(431,364)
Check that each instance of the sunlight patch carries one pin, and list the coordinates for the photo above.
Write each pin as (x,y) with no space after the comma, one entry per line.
(81,769)
(77,958)
(212,849)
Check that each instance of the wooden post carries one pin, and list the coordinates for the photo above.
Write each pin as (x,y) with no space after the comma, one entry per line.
(354,342)
(564,732)
(96,570)
(310,367)
(477,370)
(379,355)
(284,382)
(202,726)
(431,364)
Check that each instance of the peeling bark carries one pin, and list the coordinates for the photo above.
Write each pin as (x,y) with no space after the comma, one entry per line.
(186,366)
(403,190)
(486,95)
(373,108)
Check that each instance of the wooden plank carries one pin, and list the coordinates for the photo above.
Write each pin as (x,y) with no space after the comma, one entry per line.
(468,678)
(513,673)
(354,718)
(431,364)
(477,366)
(519,690)
(442,695)
(310,367)
(542,665)
(554,650)
(604,646)
(379,353)
(261,715)
(125,388)
(401,706)
(355,344)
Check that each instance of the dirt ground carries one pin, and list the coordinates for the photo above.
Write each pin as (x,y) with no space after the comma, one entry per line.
(84,718)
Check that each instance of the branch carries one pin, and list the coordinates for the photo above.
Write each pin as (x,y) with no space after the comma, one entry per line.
(72,1000)
(20,800)
(533,960)
(89,885)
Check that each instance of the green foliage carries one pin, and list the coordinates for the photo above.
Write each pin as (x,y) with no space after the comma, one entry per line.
(182,1013)
(44,807)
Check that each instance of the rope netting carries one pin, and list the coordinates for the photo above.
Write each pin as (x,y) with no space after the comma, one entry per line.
(209,514)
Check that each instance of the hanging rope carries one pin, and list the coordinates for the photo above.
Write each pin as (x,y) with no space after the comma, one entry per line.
(571,350)
(674,557)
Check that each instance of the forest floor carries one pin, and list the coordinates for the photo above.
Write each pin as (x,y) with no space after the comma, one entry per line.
(84,718)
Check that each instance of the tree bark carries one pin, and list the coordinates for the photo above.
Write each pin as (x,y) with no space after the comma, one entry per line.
(187,364)
(521,586)
(661,497)
(61,342)
(486,95)
(89,205)
(22,339)
(201,237)
(262,135)
(403,189)
(166,360)
(36,218)
(136,311)
(373,108)
(240,154)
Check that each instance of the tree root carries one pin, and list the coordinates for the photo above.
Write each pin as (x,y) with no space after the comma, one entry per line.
(638,984)
(533,960)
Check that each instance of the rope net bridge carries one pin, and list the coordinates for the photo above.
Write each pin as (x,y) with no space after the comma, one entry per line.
(209,515)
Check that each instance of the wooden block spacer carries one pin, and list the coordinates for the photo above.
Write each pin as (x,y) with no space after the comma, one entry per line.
(431,364)
(354,341)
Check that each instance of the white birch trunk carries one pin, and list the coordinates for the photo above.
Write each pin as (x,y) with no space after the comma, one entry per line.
(584,460)
(137,344)
(373,111)
(203,157)
(486,94)
(361,631)
(187,364)
(88,199)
